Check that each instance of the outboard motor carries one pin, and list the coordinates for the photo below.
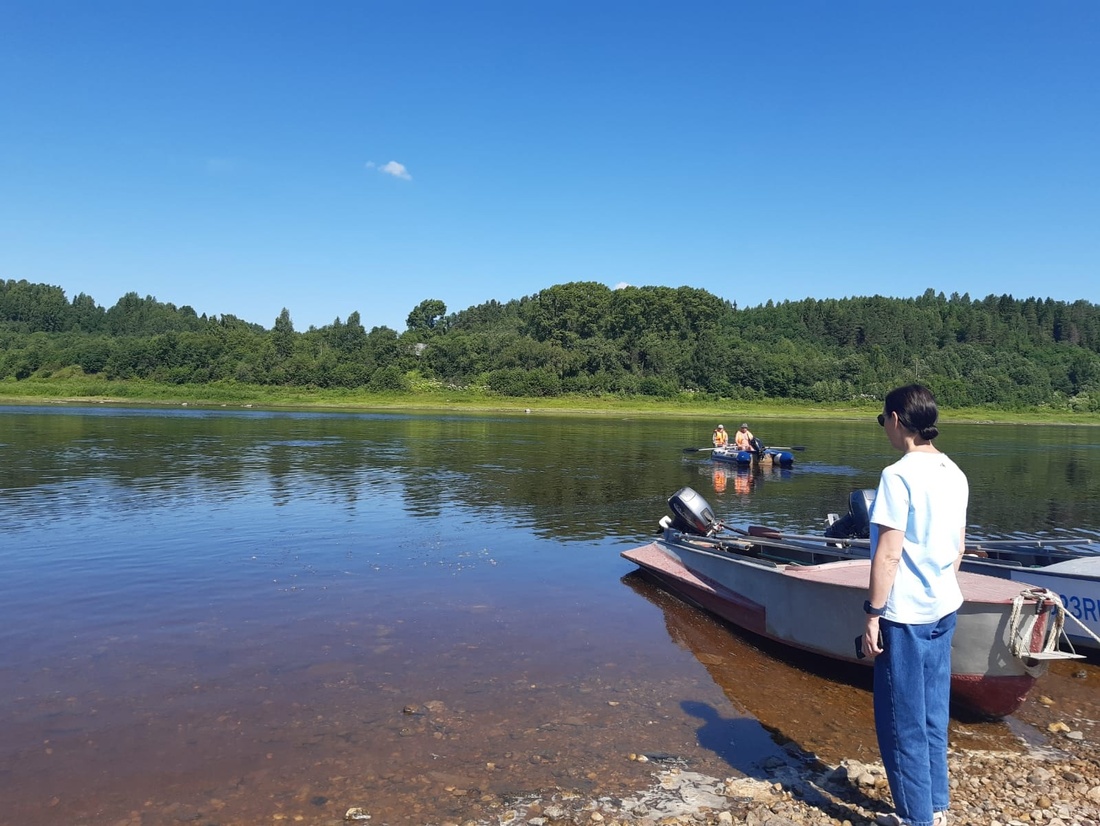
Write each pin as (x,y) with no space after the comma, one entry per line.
(783,458)
(856,523)
(691,513)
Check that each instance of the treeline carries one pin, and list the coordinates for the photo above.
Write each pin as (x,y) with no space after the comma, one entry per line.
(586,338)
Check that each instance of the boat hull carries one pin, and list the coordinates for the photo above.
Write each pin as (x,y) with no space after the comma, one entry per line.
(732,457)
(729,455)
(818,608)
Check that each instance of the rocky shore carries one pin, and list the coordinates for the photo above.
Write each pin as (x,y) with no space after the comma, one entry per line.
(988,789)
(1054,783)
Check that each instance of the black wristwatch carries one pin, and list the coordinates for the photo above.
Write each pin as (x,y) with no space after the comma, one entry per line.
(870,609)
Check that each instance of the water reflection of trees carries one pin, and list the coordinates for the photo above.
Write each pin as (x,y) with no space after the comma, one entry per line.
(1041,491)
(555,473)
(567,478)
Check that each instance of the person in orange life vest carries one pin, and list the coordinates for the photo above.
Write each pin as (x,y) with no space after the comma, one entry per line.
(743,439)
(720,437)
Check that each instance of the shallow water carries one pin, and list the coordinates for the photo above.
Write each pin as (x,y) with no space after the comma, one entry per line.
(223,616)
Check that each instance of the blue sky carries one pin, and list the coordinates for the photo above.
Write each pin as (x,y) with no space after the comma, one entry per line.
(241,157)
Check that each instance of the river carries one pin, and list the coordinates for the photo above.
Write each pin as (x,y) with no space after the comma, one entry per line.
(226,616)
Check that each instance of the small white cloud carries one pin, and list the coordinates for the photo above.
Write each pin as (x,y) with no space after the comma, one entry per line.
(393,168)
(220,166)
(620,285)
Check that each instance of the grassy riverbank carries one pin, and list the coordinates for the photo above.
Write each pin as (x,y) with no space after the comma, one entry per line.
(86,389)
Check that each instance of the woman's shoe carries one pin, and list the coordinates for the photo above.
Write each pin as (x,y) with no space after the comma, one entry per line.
(892,819)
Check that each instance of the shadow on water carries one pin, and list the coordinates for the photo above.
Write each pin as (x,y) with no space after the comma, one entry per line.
(806,703)
(739,741)
(771,689)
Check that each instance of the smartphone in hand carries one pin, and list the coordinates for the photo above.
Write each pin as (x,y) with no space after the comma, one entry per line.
(859,645)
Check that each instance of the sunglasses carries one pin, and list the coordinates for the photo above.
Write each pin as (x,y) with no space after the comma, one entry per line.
(881,420)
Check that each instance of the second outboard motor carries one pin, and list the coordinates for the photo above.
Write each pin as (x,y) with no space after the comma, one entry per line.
(691,513)
(783,458)
(856,523)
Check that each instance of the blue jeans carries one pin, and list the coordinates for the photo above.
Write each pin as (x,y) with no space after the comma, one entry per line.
(912,694)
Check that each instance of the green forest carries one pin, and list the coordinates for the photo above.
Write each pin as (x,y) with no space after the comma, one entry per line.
(584,338)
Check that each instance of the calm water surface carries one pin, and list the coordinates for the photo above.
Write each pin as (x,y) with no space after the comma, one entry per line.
(229,616)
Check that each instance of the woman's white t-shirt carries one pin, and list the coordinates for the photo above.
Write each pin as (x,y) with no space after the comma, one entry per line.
(925,495)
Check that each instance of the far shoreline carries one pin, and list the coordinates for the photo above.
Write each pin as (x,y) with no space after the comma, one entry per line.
(147,394)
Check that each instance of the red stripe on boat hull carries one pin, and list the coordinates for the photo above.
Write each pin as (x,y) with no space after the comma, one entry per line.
(990,696)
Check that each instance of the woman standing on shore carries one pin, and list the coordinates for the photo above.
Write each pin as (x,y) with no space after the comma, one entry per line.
(918,522)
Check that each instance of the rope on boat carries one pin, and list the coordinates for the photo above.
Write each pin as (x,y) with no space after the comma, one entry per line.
(1022,625)
(1084,628)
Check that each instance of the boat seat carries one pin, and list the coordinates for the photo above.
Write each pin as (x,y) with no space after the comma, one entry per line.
(1053,655)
